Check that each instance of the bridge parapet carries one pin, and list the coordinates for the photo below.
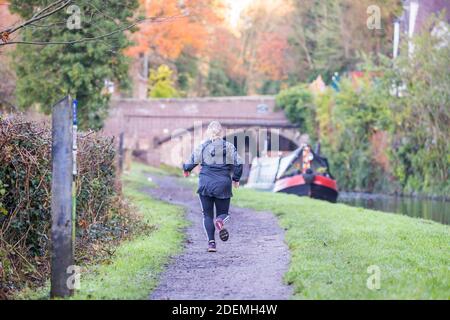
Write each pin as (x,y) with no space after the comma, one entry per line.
(149,124)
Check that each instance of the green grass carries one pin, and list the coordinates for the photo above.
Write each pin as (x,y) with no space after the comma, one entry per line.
(332,245)
(134,269)
(137,263)
(163,169)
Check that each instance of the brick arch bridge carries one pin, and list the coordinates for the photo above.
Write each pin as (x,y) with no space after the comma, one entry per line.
(165,130)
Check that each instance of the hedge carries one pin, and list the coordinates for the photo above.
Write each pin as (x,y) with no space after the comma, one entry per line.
(25,200)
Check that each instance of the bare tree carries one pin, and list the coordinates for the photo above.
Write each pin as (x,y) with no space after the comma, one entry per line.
(49,10)
(57,6)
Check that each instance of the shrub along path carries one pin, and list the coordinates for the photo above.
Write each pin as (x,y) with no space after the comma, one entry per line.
(250,265)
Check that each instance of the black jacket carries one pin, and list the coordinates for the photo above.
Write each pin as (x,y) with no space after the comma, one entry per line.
(220,164)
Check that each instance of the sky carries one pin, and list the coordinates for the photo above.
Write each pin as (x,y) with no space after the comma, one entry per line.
(236,7)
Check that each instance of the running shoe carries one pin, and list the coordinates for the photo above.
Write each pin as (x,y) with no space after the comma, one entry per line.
(223,233)
(212,246)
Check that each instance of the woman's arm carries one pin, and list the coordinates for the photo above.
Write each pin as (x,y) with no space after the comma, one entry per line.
(194,160)
(237,166)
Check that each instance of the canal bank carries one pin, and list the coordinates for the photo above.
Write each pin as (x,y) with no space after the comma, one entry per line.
(340,252)
(417,207)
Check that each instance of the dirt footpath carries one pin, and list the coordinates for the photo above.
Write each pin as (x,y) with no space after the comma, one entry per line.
(250,265)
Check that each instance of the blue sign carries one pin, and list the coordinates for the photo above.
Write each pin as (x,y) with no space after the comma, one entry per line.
(74,110)
(262,108)
(335,82)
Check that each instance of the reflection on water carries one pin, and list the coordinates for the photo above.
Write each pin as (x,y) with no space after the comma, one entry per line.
(420,208)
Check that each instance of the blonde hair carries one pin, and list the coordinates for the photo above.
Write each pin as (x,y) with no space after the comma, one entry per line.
(214,130)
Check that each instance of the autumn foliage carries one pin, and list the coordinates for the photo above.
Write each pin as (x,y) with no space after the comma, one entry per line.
(186,24)
(275,44)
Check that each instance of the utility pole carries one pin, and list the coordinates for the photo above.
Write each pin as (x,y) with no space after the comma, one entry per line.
(62,166)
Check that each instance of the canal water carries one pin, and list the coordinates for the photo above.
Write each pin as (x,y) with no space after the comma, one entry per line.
(420,208)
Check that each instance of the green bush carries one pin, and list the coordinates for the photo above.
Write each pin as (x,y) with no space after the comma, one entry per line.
(358,115)
(344,123)
(422,114)
(414,119)
(25,199)
(161,84)
(79,69)
(297,103)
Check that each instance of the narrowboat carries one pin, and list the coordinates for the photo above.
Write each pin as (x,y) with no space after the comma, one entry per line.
(303,172)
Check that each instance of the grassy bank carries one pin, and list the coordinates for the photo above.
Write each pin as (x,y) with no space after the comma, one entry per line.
(332,246)
(136,264)
(134,268)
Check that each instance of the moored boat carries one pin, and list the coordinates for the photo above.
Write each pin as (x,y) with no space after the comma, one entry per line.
(303,172)
(306,173)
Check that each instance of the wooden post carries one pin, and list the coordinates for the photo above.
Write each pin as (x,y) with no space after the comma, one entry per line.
(62,157)
(74,171)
